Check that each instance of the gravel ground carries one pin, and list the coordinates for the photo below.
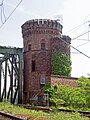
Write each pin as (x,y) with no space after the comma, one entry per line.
(3,118)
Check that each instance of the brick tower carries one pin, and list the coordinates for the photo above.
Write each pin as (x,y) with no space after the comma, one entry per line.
(41,38)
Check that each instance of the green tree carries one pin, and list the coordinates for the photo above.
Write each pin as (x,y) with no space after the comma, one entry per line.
(61,64)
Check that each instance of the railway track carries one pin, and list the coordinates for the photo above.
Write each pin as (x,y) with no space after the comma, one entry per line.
(47,109)
(84,113)
(11,116)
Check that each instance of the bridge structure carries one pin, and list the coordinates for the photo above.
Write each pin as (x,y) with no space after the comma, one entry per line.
(11,74)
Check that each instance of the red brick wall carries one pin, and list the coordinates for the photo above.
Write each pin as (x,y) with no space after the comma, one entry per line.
(64,81)
(58,45)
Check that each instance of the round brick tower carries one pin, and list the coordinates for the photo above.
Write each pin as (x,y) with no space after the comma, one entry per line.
(41,37)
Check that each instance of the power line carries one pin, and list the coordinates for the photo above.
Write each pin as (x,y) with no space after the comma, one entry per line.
(83,39)
(3,15)
(75,52)
(80,52)
(1,3)
(81,35)
(2,12)
(83,44)
(75,28)
(75,48)
(11,13)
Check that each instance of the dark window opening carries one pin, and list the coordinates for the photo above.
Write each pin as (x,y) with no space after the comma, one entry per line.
(33,66)
(42,85)
(40,97)
(42,82)
(29,47)
(43,46)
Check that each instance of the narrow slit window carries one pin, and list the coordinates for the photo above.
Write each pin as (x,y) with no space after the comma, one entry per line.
(33,66)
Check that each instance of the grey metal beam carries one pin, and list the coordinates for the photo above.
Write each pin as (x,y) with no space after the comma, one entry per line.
(10,50)
(0,82)
(11,81)
(20,80)
(5,81)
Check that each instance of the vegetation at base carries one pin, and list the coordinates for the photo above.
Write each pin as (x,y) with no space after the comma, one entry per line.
(39,115)
(61,64)
(67,97)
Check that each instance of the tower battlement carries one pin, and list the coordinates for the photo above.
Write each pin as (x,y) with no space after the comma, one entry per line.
(42,24)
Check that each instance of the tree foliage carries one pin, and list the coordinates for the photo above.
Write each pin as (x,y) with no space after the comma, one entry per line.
(61,64)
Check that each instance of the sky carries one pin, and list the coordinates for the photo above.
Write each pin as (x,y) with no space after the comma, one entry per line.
(74,16)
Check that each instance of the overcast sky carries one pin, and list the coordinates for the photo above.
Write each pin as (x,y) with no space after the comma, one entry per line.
(73,13)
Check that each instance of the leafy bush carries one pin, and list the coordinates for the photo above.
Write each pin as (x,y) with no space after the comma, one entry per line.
(71,97)
(61,64)
(48,90)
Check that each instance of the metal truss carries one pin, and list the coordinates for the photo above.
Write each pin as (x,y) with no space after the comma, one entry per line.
(11,74)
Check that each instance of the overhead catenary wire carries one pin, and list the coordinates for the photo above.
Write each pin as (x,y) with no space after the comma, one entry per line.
(1,3)
(85,32)
(75,28)
(83,39)
(2,15)
(82,44)
(81,35)
(75,48)
(75,52)
(11,13)
(76,38)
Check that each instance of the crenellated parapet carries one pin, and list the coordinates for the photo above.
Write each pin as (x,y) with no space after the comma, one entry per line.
(37,26)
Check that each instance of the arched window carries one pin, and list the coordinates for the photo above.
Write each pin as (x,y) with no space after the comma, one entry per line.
(29,47)
(43,44)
